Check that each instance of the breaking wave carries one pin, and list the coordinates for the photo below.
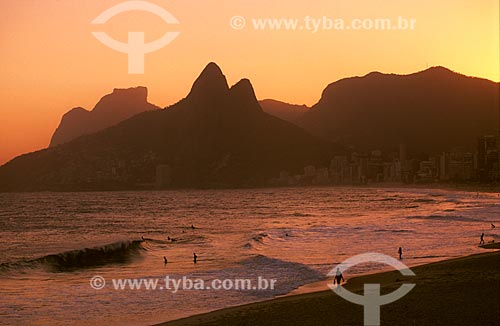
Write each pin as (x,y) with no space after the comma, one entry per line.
(114,253)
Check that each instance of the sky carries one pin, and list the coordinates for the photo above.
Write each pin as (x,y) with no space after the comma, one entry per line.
(50,61)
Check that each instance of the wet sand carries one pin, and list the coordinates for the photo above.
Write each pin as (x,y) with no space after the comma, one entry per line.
(495,245)
(457,292)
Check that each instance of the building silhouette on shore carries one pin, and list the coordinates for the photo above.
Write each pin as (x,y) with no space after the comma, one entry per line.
(360,168)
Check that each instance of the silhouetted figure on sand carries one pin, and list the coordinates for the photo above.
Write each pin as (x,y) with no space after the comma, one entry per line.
(195,258)
(165,260)
(482,239)
(339,278)
(400,252)
(493,226)
(192,226)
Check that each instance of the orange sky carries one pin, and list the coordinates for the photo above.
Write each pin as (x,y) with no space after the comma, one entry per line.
(50,62)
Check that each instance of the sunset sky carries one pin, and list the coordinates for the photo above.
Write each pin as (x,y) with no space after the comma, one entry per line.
(50,62)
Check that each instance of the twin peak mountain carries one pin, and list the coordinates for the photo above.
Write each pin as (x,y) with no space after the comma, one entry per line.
(210,93)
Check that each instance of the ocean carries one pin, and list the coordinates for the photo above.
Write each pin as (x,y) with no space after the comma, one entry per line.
(54,244)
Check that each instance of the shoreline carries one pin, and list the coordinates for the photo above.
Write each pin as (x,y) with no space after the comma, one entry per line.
(443,287)
(323,285)
(449,186)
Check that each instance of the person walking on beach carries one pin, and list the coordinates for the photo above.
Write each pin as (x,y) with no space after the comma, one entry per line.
(482,239)
(195,258)
(339,278)
(400,252)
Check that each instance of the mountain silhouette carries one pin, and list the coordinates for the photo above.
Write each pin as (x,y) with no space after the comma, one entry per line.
(110,110)
(218,136)
(285,111)
(430,111)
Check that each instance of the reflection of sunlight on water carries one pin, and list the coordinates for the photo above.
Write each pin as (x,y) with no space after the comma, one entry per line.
(294,235)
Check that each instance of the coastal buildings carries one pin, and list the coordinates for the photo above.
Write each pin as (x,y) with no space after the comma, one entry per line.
(487,158)
(360,168)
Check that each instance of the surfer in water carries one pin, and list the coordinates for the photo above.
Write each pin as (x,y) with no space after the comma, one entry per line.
(482,239)
(195,257)
(339,278)
(165,260)
(400,252)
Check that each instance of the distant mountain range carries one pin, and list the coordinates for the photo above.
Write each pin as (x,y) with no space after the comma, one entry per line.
(221,136)
(430,111)
(111,109)
(216,137)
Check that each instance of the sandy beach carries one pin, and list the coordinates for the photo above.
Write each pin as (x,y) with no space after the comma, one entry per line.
(463,291)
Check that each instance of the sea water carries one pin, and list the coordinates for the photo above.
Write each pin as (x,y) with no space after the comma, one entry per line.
(53,244)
